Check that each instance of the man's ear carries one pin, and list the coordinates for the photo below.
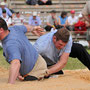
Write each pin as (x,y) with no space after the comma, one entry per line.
(1,30)
(54,39)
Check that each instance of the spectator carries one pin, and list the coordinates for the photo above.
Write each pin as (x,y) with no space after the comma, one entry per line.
(31,2)
(18,19)
(6,17)
(72,20)
(3,6)
(86,14)
(34,20)
(80,25)
(44,2)
(52,21)
(62,20)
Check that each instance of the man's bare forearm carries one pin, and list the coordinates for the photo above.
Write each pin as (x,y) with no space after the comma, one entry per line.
(14,71)
(59,65)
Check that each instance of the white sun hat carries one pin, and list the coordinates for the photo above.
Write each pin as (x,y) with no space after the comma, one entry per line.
(34,13)
(2,3)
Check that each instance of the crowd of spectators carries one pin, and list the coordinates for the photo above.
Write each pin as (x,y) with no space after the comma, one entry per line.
(71,22)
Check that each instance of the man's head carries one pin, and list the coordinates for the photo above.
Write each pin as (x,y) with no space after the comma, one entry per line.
(2,4)
(53,13)
(4,12)
(17,14)
(3,28)
(34,15)
(72,13)
(60,38)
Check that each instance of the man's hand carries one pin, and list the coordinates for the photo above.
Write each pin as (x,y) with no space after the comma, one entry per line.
(20,78)
(38,31)
(59,65)
(44,1)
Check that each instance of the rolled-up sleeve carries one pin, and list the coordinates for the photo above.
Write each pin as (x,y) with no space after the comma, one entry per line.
(12,53)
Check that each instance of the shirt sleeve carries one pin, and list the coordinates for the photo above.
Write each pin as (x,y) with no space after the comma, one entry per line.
(48,19)
(39,20)
(8,12)
(20,28)
(68,46)
(13,52)
(30,21)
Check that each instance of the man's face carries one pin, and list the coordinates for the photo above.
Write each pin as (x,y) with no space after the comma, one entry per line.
(53,14)
(73,14)
(1,31)
(34,17)
(59,44)
(2,6)
(18,15)
(4,14)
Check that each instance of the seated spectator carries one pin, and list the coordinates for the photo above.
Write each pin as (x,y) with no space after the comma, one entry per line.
(34,20)
(72,20)
(52,21)
(62,20)
(3,6)
(18,19)
(31,2)
(44,2)
(80,25)
(6,17)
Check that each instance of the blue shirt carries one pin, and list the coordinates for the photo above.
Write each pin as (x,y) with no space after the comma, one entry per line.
(35,22)
(45,46)
(8,12)
(63,20)
(17,46)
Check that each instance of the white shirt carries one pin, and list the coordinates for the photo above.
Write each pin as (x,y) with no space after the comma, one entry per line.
(7,19)
(72,21)
(18,21)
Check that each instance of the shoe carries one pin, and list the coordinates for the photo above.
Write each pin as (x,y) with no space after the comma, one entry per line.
(60,72)
(30,78)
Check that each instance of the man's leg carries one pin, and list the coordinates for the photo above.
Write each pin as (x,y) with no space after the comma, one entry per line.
(59,72)
(40,3)
(40,68)
(49,2)
(48,28)
(78,51)
(89,44)
(88,36)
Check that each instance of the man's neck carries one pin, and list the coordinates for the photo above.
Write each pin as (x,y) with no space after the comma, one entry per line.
(4,34)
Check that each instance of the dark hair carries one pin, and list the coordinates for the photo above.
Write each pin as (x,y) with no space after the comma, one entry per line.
(3,11)
(17,12)
(53,11)
(63,13)
(62,34)
(3,24)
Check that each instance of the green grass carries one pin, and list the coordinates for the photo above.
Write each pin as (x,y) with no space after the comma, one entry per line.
(72,64)
(3,62)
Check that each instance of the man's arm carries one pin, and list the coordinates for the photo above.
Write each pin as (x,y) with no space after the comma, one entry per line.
(14,71)
(59,65)
(37,30)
